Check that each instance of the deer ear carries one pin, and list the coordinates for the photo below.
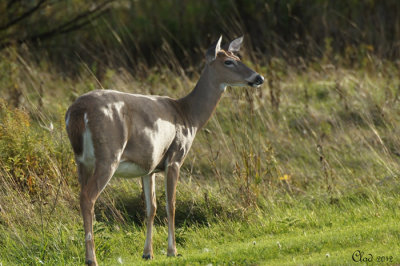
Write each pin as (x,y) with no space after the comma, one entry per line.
(234,46)
(213,50)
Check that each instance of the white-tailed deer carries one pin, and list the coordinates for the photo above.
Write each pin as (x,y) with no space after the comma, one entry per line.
(122,134)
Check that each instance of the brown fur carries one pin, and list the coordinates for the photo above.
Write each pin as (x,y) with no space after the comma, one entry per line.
(75,128)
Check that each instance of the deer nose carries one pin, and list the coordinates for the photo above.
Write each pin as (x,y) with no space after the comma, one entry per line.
(259,80)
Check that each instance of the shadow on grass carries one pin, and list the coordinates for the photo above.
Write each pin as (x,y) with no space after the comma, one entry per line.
(191,209)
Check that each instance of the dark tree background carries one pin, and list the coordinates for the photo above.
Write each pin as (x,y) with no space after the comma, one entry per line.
(133,33)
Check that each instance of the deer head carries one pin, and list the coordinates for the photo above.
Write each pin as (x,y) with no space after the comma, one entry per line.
(228,68)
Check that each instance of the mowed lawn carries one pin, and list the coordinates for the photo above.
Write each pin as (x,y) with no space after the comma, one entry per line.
(336,245)
(326,235)
(298,232)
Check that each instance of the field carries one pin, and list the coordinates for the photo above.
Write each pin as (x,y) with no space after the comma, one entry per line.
(304,170)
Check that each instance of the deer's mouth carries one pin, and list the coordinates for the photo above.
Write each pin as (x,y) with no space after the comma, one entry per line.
(252,84)
(256,81)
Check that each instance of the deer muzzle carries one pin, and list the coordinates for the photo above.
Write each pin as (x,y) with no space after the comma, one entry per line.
(256,80)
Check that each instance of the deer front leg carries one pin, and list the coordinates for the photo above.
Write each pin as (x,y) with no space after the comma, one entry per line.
(171,180)
(151,207)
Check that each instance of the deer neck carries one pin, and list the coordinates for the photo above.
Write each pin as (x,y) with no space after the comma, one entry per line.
(201,102)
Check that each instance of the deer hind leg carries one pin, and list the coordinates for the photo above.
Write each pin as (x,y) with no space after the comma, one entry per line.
(91,187)
(151,207)
(171,180)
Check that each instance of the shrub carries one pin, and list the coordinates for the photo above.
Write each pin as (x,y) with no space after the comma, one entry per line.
(29,154)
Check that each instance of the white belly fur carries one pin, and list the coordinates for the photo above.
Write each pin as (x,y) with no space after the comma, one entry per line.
(129,169)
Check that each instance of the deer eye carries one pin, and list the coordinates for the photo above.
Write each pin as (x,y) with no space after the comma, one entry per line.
(228,63)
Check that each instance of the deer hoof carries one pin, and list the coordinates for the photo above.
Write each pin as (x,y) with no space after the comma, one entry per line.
(147,257)
(90,262)
(174,255)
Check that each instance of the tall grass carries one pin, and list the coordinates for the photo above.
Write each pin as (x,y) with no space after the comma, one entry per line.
(318,133)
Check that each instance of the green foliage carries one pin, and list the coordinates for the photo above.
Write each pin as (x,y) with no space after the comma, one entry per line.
(29,155)
(18,148)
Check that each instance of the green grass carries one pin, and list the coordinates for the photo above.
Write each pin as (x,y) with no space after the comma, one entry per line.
(294,240)
(309,232)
